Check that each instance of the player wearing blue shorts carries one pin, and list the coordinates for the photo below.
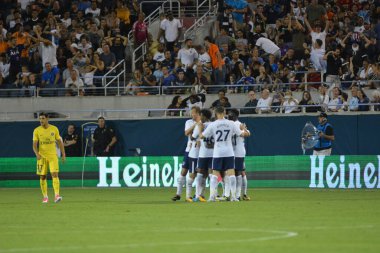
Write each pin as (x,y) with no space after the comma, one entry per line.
(206,151)
(189,128)
(239,151)
(222,130)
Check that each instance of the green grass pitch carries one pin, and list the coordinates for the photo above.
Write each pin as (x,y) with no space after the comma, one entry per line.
(146,220)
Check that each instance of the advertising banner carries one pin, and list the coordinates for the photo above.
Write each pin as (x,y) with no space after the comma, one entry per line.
(344,172)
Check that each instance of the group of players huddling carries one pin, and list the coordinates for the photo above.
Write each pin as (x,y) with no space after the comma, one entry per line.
(215,150)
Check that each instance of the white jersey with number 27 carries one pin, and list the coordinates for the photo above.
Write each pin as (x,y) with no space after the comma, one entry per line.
(222,130)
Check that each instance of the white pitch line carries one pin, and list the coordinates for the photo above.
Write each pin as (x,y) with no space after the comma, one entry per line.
(280,235)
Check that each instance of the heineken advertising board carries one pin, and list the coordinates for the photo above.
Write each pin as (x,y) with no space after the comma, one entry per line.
(262,171)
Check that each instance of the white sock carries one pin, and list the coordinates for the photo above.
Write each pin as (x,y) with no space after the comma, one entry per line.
(232,182)
(189,187)
(198,185)
(239,181)
(203,186)
(213,186)
(244,185)
(181,181)
(227,186)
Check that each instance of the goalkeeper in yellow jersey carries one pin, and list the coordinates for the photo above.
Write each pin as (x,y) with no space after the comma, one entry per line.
(45,138)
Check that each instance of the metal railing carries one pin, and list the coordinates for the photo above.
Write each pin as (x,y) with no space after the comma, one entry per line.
(112,85)
(374,108)
(109,78)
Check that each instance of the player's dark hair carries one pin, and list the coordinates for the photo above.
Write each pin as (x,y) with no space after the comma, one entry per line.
(207,113)
(101,117)
(233,114)
(44,114)
(219,110)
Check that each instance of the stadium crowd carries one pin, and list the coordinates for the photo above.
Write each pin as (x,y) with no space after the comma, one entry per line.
(259,46)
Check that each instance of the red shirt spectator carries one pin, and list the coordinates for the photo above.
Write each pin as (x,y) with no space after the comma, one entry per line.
(140,30)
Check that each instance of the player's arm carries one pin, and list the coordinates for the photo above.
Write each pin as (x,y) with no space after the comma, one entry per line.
(113,142)
(190,130)
(62,148)
(246,132)
(35,149)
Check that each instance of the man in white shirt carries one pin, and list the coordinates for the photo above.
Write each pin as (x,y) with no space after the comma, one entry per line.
(317,32)
(239,151)
(187,56)
(190,124)
(171,29)
(264,103)
(269,47)
(223,130)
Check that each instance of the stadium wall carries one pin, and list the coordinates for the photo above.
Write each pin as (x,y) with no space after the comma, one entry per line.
(344,172)
(280,135)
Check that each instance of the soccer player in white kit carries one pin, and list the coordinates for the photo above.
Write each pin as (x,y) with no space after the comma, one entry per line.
(206,151)
(193,154)
(222,130)
(239,150)
(189,127)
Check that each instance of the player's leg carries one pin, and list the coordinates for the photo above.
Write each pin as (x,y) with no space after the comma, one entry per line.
(216,165)
(239,166)
(190,180)
(54,169)
(245,186)
(42,172)
(230,173)
(182,177)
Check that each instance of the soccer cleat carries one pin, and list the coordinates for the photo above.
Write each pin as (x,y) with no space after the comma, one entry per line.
(246,198)
(189,200)
(45,200)
(202,199)
(176,197)
(57,198)
(234,200)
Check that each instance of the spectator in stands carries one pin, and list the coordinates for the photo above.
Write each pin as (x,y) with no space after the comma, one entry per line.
(51,79)
(363,101)
(93,10)
(187,57)
(264,79)
(269,47)
(376,99)
(67,72)
(200,80)
(252,103)
(175,106)
(308,101)
(140,30)
(133,86)
(315,11)
(168,61)
(71,142)
(290,103)
(14,56)
(170,29)
(149,80)
(264,103)
(238,9)
(182,81)
(73,84)
(354,100)
(219,68)
(160,54)
(220,100)
(118,46)
(335,104)
(317,32)
(48,51)
(108,57)
(333,70)
(324,98)
(4,71)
